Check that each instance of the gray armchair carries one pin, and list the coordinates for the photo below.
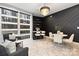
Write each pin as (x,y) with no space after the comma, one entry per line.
(19,52)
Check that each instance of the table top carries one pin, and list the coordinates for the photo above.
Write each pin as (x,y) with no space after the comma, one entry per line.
(62,34)
(65,35)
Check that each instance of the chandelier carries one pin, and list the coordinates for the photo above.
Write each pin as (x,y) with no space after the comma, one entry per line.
(44,10)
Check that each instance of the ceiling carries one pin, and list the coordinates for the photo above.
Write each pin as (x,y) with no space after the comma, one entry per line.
(34,8)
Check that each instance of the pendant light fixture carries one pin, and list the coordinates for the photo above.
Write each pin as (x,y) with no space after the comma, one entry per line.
(44,10)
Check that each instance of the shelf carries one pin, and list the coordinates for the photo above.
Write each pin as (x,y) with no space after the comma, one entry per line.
(24,24)
(24,19)
(9,29)
(28,19)
(23,34)
(8,23)
(9,16)
(19,40)
(24,29)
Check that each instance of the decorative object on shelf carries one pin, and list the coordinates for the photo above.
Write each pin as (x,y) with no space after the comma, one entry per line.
(44,10)
(24,16)
(25,21)
(9,19)
(37,28)
(25,31)
(9,12)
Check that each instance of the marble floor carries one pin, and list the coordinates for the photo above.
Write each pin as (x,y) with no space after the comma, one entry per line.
(46,47)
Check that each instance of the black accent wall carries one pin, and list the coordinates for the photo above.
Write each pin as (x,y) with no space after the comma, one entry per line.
(66,20)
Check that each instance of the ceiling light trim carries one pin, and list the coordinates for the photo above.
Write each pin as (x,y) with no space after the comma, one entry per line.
(45,10)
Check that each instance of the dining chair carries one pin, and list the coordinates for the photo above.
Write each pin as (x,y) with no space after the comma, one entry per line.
(58,32)
(58,38)
(50,35)
(70,39)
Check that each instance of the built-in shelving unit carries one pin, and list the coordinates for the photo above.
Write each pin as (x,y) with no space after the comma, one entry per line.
(15,21)
(24,25)
(37,22)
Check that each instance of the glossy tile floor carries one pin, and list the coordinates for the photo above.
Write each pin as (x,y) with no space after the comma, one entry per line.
(46,47)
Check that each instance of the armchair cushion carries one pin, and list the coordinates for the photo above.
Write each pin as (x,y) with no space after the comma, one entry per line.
(20,52)
(10,46)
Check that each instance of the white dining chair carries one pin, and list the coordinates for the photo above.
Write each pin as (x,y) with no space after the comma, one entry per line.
(50,35)
(58,32)
(58,38)
(70,39)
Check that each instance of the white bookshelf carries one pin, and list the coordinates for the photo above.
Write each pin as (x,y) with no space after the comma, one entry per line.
(22,35)
(9,23)
(9,16)
(24,29)
(22,21)
(9,29)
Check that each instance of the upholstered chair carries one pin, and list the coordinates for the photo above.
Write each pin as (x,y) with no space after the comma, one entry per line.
(70,39)
(50,35)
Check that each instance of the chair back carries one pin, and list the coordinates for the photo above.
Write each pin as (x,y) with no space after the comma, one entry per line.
(58,38)
(71,38)
(58,32)
(50,34)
